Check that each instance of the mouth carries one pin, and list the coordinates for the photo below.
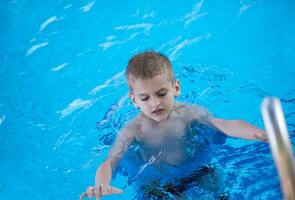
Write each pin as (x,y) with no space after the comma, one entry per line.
(157,111)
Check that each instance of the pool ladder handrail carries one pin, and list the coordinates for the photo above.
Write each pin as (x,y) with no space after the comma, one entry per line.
(278,138)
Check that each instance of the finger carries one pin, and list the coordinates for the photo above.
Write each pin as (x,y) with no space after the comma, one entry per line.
(261,137)
(98,193)
(115,190)
(106,190)
(90,192)
(103,189)
(84,194)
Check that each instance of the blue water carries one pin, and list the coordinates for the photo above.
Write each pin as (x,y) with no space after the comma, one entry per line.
(63,94)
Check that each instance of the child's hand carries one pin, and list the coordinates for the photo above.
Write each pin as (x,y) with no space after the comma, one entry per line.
(100,191)
(261,135)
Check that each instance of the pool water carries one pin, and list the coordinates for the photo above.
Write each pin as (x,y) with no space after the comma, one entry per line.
(64,97)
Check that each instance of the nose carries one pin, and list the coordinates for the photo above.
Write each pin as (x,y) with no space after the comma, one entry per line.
(155,102)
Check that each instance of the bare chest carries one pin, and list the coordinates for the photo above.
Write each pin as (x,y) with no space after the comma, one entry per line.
(168,134)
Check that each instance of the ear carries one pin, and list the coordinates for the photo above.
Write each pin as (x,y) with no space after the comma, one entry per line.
(177,88)
(132,97)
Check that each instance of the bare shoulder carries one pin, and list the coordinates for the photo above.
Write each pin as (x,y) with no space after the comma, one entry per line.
(189,108)
(181,107)
(132,127)
(194,111)
(181,111)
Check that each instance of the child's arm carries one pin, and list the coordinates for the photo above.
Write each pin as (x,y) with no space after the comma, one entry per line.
(102,183)
(240,129)
(103,178)
(104,171)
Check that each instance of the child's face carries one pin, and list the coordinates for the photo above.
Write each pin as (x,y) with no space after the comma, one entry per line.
(155,97)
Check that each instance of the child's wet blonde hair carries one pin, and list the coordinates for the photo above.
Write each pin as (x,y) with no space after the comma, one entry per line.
(147,65)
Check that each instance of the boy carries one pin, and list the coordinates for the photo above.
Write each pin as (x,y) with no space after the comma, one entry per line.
(162,126)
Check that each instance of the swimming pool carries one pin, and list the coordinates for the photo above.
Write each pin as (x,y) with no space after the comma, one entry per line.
(63,92)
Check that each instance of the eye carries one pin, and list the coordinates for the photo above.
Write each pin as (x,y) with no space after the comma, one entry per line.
(161,94)
(145,99)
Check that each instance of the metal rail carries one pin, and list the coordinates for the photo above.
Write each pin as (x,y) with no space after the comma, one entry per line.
(277,133)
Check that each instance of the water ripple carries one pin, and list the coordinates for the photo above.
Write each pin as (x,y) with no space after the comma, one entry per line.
(47,22)
(68,6)
(87,7)
(116,79)
(111,42)
(245,6)
(75,105)
(146,26)
(59,67)
(35,47)
(112,110)
(2,118)
(61,139)
(194,15)
(184,43)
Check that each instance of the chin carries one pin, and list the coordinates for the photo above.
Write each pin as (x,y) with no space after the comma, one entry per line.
(159,118)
